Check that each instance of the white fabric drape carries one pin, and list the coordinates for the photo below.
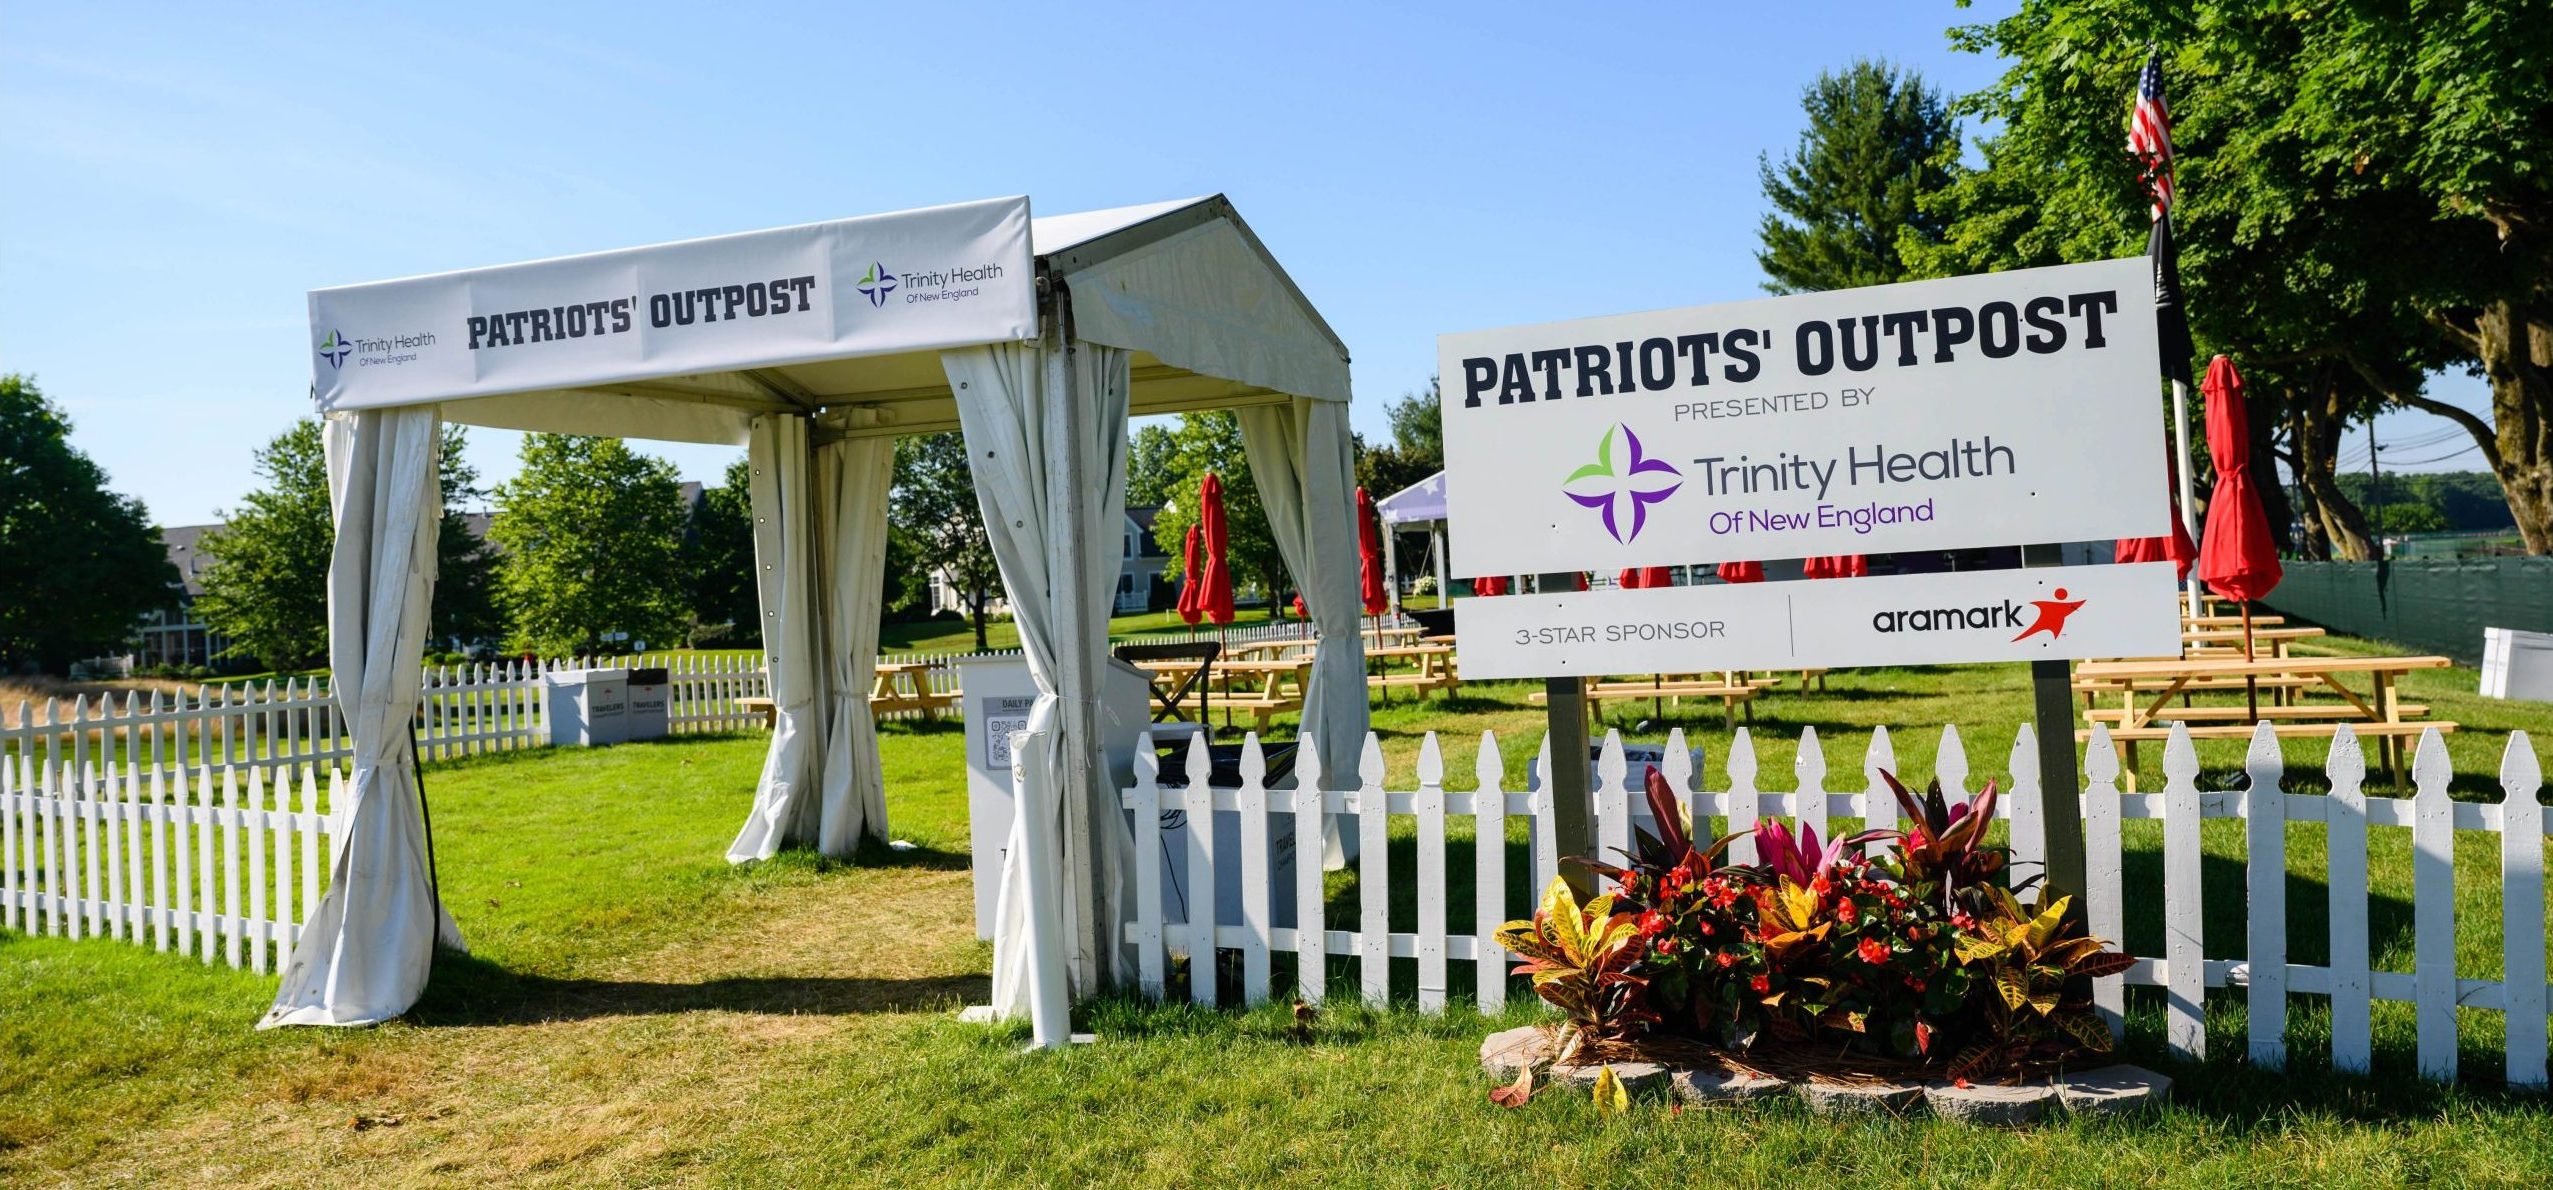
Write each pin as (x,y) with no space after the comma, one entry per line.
(363,955)
(1301,460)
(785,809)
(1046,436)
(852,478)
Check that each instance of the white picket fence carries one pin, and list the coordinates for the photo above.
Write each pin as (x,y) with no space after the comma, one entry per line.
(144,839)
(2267,976)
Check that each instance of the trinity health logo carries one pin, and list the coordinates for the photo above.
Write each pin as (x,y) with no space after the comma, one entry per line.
(1622,477)
(334,349)
(879,282)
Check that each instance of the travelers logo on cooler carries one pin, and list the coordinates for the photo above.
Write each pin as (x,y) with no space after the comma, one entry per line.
(1641,480)
(335,349)
(879,282)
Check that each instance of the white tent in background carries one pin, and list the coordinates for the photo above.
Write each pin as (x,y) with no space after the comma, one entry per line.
(816,346)
(1421,503)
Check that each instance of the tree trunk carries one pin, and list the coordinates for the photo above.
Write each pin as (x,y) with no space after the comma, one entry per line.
(975,613)
(2263,414)
(2515,344)
(2324,409)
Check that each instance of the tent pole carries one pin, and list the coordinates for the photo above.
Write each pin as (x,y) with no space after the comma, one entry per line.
(2181,452)
(1391,571)
(1076,684)
(1444,594)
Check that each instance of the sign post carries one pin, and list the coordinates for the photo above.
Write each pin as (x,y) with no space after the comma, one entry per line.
(2061,810)
(1573,807)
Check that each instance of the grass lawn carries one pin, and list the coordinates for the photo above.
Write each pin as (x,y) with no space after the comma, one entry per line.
(635,1010)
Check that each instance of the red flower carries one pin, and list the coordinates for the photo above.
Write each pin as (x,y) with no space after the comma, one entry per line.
(1664,946)
(1844,908)
(1726,959)
(1963,921)
(1821,886)
(1873,951)
(1707,928)
(1761,984)
(1652,924)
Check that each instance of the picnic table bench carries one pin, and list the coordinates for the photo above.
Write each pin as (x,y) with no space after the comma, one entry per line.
(2379,714)
(1435,669)
(1733,689)
(898,686)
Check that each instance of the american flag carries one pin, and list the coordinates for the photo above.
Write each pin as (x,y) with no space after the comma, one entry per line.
(2150,133)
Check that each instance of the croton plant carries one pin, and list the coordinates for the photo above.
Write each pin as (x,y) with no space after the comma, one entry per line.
(1922,951)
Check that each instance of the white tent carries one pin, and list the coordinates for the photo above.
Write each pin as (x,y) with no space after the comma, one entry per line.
(1421,503)
(816,346)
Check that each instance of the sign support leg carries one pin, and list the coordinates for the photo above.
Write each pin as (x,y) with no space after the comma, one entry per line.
(2060,776)
(1573,831)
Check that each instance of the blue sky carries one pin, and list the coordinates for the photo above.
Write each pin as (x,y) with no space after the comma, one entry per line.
(179,177)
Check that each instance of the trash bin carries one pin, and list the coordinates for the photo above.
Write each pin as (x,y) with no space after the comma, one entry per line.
(585,707)
(650,705)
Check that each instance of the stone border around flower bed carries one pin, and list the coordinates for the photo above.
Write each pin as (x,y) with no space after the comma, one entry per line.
(2109,1090)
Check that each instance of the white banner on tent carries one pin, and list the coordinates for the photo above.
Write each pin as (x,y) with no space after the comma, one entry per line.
(2050,613)
(1950,414)
(908,281)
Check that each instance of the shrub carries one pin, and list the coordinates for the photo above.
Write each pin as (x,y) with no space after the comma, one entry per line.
(1918,953)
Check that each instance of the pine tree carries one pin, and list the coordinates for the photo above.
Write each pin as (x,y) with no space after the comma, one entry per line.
(1878,140)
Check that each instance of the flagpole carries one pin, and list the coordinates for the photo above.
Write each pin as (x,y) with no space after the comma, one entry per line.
(2181,449)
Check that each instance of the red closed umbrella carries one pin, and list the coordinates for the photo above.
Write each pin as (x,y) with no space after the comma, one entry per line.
(1490,585)
(1369,558)
(1853,565)
(1741,572)
(1644,576)
(2176,548)
(1192,607)
(1216,578)
(2235,558)
(1816,568)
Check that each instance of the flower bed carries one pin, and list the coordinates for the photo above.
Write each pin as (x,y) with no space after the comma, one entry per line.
(1821,964)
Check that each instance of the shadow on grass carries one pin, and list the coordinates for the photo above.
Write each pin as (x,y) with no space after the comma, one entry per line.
(466,991)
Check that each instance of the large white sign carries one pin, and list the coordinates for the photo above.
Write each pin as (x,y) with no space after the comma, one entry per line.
(909,281)
(1973,411)
(2056,612)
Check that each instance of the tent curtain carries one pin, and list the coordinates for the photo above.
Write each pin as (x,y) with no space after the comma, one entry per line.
(364,954)
(1300,458)
(1046,436)
(785,810)
(819,561)
(851,478)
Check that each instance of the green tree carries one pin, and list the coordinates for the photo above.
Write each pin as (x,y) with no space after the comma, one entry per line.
(718,564)
(1414,449)
(267,587)
(1148,455)
(1846,200)
(2362,196)
(1206,442)
(79,565)
(592,537)
(933,508)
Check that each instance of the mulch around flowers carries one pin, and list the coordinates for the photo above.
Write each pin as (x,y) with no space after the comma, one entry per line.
(1793,1062)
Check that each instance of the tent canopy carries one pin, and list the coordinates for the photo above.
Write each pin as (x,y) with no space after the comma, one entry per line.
(1418,503)
(815,346)
(847,317)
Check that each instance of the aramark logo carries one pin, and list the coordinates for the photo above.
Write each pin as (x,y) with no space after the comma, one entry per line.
(1641,480)
(879,282)
(335,348)
(2049,618)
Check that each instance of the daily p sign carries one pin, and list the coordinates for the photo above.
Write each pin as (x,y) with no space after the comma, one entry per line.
(1991,410)
(910,281)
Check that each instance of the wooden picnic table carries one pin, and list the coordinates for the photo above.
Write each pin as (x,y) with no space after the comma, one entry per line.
(2380,713)
(2277,640)
(2264,621)
(906,686)
(1435,670)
